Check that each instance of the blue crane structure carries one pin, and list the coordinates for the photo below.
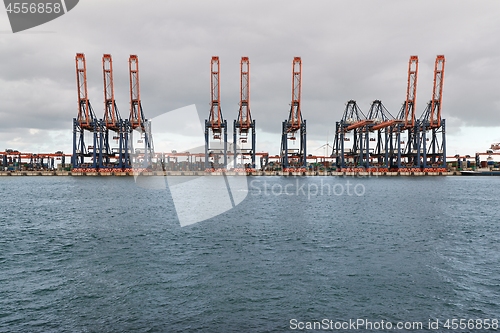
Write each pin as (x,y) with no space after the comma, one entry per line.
(381,124)
(352,125)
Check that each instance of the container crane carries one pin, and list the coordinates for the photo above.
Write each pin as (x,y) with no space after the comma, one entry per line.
(112,119)
(408,122)
(353,120)
(294,123)
(215,122)
(85,121)
(137,120)
(434,154)
(382,124)
(244,124)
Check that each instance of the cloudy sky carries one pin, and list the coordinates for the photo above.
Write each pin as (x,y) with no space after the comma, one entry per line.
(350,50)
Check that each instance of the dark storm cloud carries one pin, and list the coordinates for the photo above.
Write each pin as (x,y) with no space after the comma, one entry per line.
(350,50)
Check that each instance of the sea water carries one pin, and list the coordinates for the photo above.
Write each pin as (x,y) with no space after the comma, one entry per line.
(101,254)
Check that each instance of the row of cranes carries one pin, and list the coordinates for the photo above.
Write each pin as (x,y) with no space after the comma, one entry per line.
(112,127)
(244,125)
(363,141)
(376,140)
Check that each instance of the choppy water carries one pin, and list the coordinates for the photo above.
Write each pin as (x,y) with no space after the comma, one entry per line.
(103,255)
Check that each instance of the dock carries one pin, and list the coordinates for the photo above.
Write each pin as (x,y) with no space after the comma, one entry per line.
(228,173)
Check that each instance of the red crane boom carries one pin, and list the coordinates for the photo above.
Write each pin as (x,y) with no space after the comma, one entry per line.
(411,92)
(85,113)
(111,115)
(295,118)
(215,117)
(136,116)
(437,91)
(245,117)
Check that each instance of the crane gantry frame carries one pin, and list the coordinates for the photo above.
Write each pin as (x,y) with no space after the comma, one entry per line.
(244,124)
(137,119)
(215,122)
(409,123)
(295,123)
(113,121)
(435,154)
(86,120)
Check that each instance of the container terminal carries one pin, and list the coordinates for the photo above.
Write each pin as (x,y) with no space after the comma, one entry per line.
(365,143)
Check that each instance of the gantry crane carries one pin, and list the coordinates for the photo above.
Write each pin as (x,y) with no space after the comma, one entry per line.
(353,120)
(408,122)
(434,154)
(215,121)
(382,124)
(294,123)
(244,124)
(112,120)
(85,121)
(137,120)
(387,129)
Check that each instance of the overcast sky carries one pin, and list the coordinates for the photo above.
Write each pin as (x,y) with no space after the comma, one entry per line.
(350,50)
